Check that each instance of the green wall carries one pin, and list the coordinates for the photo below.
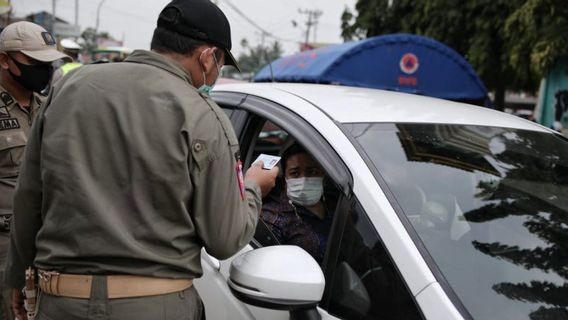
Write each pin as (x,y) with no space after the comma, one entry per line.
(556,80)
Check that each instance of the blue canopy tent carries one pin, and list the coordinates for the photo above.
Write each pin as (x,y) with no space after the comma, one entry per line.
(399,62)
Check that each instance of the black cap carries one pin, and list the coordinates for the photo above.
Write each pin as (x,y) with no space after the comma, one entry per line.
(200,20)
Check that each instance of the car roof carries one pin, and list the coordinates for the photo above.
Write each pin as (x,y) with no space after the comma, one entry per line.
(357,105)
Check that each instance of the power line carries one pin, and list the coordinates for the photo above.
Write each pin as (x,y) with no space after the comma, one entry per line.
(249,20)
(137,17)
(244,16)
(241,23)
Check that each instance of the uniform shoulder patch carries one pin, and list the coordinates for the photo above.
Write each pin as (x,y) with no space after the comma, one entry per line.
(6,98)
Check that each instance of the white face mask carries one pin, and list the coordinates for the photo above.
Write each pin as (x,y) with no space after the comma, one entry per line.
(305,191)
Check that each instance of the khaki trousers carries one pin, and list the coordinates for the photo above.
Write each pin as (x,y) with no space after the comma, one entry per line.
(179,305)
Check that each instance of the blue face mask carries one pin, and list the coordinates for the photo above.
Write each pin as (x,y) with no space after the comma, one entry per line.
(205,88)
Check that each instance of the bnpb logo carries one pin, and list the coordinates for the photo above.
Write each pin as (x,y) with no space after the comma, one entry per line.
(409,63)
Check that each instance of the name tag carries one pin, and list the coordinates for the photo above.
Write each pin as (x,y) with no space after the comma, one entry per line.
(9,124)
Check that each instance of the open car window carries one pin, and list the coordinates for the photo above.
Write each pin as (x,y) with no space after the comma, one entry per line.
(282,221)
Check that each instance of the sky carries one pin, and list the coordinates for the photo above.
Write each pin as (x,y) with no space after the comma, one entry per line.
(134,20)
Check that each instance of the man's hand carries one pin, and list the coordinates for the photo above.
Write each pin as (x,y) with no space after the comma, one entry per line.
(266,179)
(18,305)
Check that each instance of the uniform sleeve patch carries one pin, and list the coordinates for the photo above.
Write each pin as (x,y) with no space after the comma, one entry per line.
(6,98)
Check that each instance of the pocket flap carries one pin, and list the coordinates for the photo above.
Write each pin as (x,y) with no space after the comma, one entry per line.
(10,140)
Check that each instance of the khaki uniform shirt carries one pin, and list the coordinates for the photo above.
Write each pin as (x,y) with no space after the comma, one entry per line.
(15,123)
(129,170)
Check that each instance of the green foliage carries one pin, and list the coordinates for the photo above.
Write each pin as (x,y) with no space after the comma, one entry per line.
(538,32)
(258,56)
(510,43)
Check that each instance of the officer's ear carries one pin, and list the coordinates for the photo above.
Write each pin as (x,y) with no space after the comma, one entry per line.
(207,61)
(4,60)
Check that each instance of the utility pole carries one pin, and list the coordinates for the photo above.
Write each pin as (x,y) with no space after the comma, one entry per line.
(53,16)
(263,55)
(6,10)
(76,12)
(313,16)
(264,49)
(316,22)
(98,15)
(96,36)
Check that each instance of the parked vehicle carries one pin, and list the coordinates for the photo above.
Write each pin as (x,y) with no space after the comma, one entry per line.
(444,210)
(525,114)
(110,54)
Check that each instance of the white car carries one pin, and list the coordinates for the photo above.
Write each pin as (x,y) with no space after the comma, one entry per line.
(444,210)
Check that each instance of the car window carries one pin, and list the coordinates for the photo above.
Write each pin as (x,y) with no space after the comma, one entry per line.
(227,109)
(289,220)
(365,284)
(228,112)
(267,128)
(270,140)
(488,204)
(238,117)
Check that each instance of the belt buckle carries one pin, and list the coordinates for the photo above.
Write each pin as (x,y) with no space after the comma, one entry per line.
(47,277)
(5,220)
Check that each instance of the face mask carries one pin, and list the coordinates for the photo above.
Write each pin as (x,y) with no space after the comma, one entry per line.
(305,191)
(205,88)
(32,77)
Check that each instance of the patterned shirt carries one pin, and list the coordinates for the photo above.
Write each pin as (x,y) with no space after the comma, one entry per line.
(296,225)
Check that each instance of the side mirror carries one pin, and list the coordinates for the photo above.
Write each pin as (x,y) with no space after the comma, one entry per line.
(277,277)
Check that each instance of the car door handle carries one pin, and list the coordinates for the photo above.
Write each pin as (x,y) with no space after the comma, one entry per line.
(213,262)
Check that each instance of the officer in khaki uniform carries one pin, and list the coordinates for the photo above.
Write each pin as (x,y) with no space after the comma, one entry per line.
(130,170)
(26,53)
(72,49)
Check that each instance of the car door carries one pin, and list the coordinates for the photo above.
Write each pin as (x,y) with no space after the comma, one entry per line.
(212,286)
(361,280)
(247,115)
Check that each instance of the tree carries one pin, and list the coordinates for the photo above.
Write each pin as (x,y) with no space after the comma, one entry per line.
(510,43)
(538,32)
(258,56)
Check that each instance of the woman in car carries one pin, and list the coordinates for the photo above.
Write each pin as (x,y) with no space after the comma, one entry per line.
(298,212)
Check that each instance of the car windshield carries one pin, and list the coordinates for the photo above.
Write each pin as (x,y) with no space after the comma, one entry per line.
(489,204)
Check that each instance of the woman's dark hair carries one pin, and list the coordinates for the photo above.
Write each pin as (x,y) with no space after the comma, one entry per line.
(293,149)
